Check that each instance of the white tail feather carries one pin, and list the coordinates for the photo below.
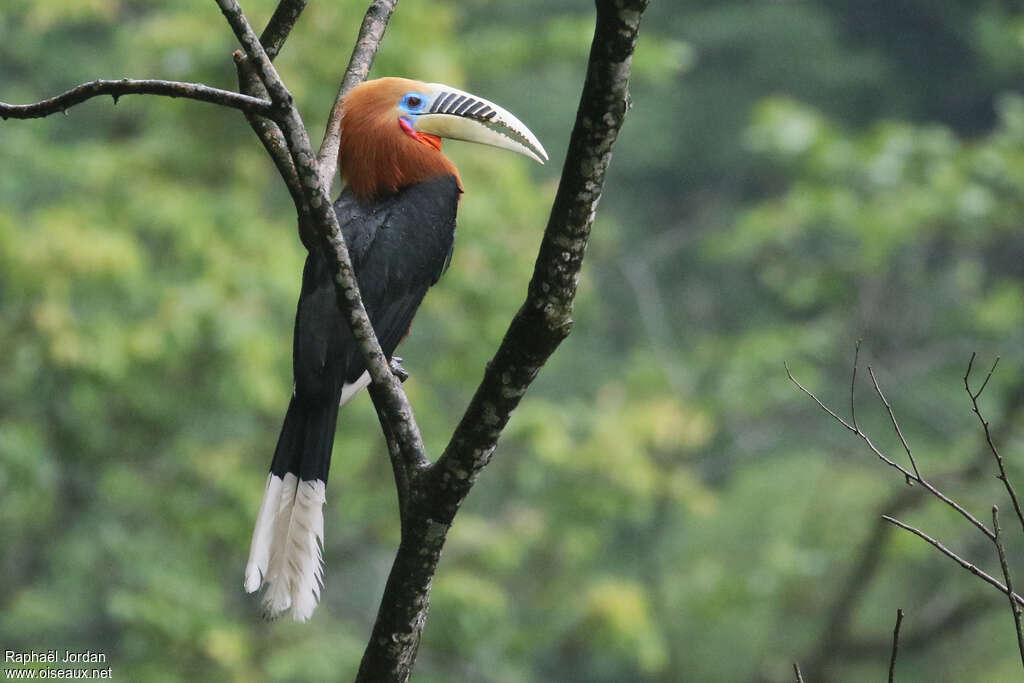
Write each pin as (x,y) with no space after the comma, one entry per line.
(277,598)
(304,549)
(262,535)
(286,553)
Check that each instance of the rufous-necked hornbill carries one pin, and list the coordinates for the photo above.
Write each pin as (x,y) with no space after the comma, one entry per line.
(397,214)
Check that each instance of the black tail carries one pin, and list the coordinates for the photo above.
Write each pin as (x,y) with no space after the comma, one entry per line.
(307,439)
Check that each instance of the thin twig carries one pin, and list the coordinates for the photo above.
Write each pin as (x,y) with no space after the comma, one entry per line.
(1014,607)
(853,386)
(834,638)
(987,377)
(988,436)
(796,672)
(895,644)
(895,424)
(130,86)
(375,22)
(981,574)
(910,476)
(960,617)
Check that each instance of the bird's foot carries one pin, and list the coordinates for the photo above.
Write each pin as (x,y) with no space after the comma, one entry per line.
(397,370)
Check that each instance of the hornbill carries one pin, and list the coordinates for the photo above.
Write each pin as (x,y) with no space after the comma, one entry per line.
(397,213)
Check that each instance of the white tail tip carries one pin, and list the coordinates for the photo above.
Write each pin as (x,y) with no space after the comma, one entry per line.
(286,553)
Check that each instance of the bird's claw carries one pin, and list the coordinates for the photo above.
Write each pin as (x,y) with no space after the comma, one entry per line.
(397,370)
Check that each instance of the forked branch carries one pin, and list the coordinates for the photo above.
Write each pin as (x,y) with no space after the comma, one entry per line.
(914,476)
(988,433)
(994,535)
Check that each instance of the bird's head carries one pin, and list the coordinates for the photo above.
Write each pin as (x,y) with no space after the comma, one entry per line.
(392,130)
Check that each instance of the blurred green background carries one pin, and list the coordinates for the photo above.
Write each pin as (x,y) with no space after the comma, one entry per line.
(664,506)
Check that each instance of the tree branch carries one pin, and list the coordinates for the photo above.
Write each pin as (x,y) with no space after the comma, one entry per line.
(981,574)
(128,86)
(274,35)
(834,636)
(541,324)
(895,424)
(988,434)
(280,25)
(1014,607)
(895,644)
(273,141)
(545,318)
(910,476)
(375,22)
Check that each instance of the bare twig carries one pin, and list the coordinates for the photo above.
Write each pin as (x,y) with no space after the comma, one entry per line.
(375,22)
(988,435)
(895,424)
(796,672)
(129,86)
(984,384)
(834,638)
(895,644)
(981,574)
(958,617)
(910,476)
(853,386)
(1014,607)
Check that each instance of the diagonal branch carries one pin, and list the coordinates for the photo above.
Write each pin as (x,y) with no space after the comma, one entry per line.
(280,26)
(540,325)
(129,86)
(375,22)
(545,318)
(895,424)
(910,476)
(834,638)
(273,141)
(386,389)
(272,39)
(1014,607)
(972,568)
(988,434)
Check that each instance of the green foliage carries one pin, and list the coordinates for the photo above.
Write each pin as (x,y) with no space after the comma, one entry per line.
(664,505)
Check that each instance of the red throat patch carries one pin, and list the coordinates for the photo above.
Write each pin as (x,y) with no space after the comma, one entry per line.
(432,141)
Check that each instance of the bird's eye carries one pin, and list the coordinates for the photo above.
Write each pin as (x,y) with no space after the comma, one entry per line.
(413,101)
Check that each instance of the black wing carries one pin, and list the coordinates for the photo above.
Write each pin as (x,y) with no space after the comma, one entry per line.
(399,247)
